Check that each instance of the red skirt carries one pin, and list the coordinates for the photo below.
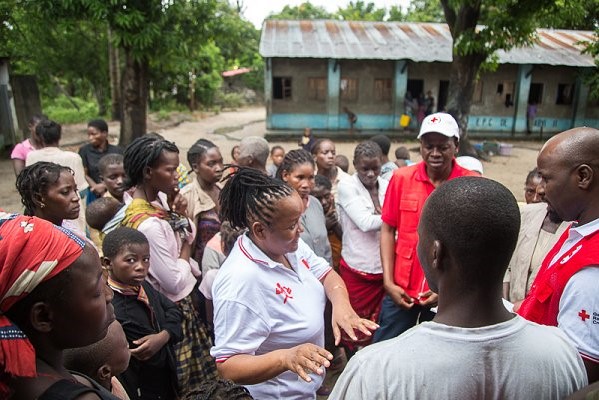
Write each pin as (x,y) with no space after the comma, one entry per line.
(366,294)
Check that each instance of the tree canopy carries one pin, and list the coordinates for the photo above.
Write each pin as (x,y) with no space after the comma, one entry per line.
(167,51)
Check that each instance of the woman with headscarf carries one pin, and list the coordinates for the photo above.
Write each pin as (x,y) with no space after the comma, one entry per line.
(52,296)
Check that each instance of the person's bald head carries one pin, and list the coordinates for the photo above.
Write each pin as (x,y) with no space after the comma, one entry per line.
(569,168)
(574,147)
(253,152)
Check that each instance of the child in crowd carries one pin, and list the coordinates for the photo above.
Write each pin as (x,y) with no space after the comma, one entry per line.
(322,192)
(112,174)
(103,360)
(276,156)
(387,166)
(65,304)
(360,202)
(235,154)
(342,162)
(307,140)
(152,323)
(19,153)
(101,216)
(402,157)
(91,153)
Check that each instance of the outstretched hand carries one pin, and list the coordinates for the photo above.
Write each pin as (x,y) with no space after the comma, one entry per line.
(305,359)
(344,317)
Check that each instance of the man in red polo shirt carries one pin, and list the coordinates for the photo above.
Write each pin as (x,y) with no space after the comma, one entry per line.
(409,298)
(565,292)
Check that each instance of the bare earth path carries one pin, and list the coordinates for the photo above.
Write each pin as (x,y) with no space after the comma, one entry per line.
(227,128)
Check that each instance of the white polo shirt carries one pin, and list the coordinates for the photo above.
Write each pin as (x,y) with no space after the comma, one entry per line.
(261,306)
(578,314)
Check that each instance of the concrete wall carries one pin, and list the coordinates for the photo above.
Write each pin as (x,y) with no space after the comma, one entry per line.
(492,102)
(366,71)
(489,113)
(299,71)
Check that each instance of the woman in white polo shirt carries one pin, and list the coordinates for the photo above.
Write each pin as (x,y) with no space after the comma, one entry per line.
(269,295)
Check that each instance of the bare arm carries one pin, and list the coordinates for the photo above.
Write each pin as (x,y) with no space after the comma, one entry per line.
(18,165)
(344,316)
(246,369)
(396,292)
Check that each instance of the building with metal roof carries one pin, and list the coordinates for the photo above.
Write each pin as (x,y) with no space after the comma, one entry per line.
(317,68)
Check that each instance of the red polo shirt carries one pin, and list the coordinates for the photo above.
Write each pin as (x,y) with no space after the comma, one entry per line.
(408,189)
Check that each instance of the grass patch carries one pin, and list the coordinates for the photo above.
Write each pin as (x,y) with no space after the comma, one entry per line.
(61,110)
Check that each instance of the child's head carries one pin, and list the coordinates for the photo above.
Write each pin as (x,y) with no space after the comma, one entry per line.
(97,132)
(65,303)
(219,389)
(342,162)
(367,163)
(32,124)
(228,237)
(402,153)
(322,191)
(101,360)
(126,256)
(100,211)
(383,142)
(235,154)
(48,132)
(276,155)
(113,174)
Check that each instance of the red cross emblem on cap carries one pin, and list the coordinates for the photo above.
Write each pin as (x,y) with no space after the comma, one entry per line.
(584,315)
(434,120)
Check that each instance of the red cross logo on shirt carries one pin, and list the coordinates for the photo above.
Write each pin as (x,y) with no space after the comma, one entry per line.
(583,315)
(285,291)
(434,120)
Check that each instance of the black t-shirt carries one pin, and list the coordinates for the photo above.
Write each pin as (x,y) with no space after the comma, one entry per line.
(91,156)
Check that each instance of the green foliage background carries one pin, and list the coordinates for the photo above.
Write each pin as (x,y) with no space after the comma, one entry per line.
(188,43)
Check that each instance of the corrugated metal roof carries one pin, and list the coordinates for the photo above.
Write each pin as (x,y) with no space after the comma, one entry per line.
(419,42)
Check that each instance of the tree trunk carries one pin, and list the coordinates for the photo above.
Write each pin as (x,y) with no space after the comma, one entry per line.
(100,99)
(462,81)
(115,79)
(134,92)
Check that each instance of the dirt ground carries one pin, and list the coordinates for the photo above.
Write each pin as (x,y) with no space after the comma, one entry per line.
(227,128)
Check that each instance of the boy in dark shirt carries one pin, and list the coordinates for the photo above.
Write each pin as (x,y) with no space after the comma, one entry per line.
(152,323)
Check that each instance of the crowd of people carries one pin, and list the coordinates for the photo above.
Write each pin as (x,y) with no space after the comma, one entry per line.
(133,276)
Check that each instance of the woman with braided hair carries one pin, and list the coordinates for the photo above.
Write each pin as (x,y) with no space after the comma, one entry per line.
(49,191)
(297,171)
(151,166)
(269,295)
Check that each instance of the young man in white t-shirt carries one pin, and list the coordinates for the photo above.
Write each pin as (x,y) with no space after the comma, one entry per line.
(474,348)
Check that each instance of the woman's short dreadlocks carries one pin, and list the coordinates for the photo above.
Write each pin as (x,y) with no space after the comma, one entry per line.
(144,152)
(250,196)
(293,159)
